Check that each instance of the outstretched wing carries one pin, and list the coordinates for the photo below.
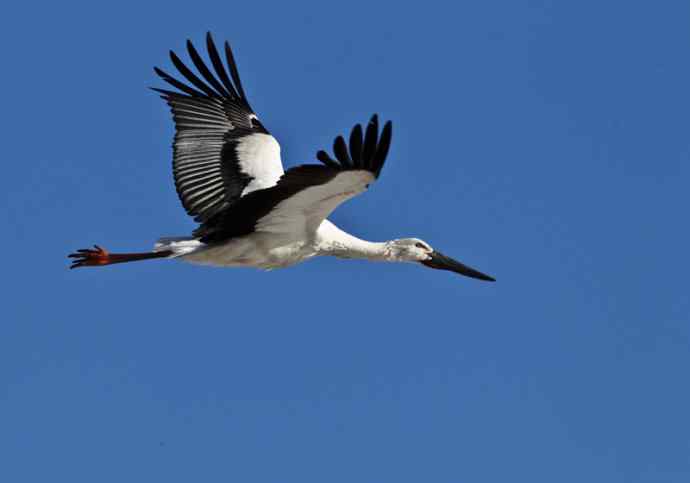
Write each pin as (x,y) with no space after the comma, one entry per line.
(221,151)
(305,195)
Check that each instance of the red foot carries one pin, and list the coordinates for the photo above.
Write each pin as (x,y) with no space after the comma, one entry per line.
(87,257)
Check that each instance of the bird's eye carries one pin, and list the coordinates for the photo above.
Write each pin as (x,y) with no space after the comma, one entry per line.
(420,245)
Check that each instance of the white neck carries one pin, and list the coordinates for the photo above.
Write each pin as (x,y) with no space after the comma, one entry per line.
(331,240)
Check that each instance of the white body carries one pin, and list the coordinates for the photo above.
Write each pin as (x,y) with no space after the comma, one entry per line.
(294,231)
(270,250)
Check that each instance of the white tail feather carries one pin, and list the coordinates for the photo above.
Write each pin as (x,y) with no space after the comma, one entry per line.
(179,245)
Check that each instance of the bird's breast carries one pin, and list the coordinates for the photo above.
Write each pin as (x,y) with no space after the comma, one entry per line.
(255,250)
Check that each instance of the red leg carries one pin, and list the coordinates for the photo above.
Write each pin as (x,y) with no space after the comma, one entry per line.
(96,257)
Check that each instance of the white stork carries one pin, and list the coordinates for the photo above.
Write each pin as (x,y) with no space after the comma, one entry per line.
(229,177)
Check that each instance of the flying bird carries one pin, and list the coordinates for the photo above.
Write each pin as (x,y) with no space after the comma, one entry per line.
(251,213)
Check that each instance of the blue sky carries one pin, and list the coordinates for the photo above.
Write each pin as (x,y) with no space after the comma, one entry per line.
(545,143)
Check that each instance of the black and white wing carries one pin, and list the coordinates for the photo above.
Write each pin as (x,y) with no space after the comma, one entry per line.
(221,151)
(305,195)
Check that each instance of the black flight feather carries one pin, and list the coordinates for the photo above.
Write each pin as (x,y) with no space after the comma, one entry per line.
(191,77)
(177,84)
(340,151)
(219,67)
(356,144)
(368,154)
(203,70)
(234,73)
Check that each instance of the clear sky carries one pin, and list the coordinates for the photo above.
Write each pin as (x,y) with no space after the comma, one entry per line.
(545,143)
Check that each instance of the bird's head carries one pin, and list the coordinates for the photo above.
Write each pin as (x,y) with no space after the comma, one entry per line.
(416,250)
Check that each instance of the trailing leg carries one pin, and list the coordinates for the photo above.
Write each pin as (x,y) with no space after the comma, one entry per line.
(96,257)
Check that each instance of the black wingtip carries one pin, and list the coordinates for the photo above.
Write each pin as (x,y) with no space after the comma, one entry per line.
(161,92)
(234,73)
(326,159)
(209,39)
(356,143)
(383,147)
(341,154)
(189,45)
(366,150)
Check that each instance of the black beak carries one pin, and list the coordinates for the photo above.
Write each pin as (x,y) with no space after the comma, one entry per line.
(442,262)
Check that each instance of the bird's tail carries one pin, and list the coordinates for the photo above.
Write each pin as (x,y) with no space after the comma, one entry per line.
(179,245)
(97,257)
